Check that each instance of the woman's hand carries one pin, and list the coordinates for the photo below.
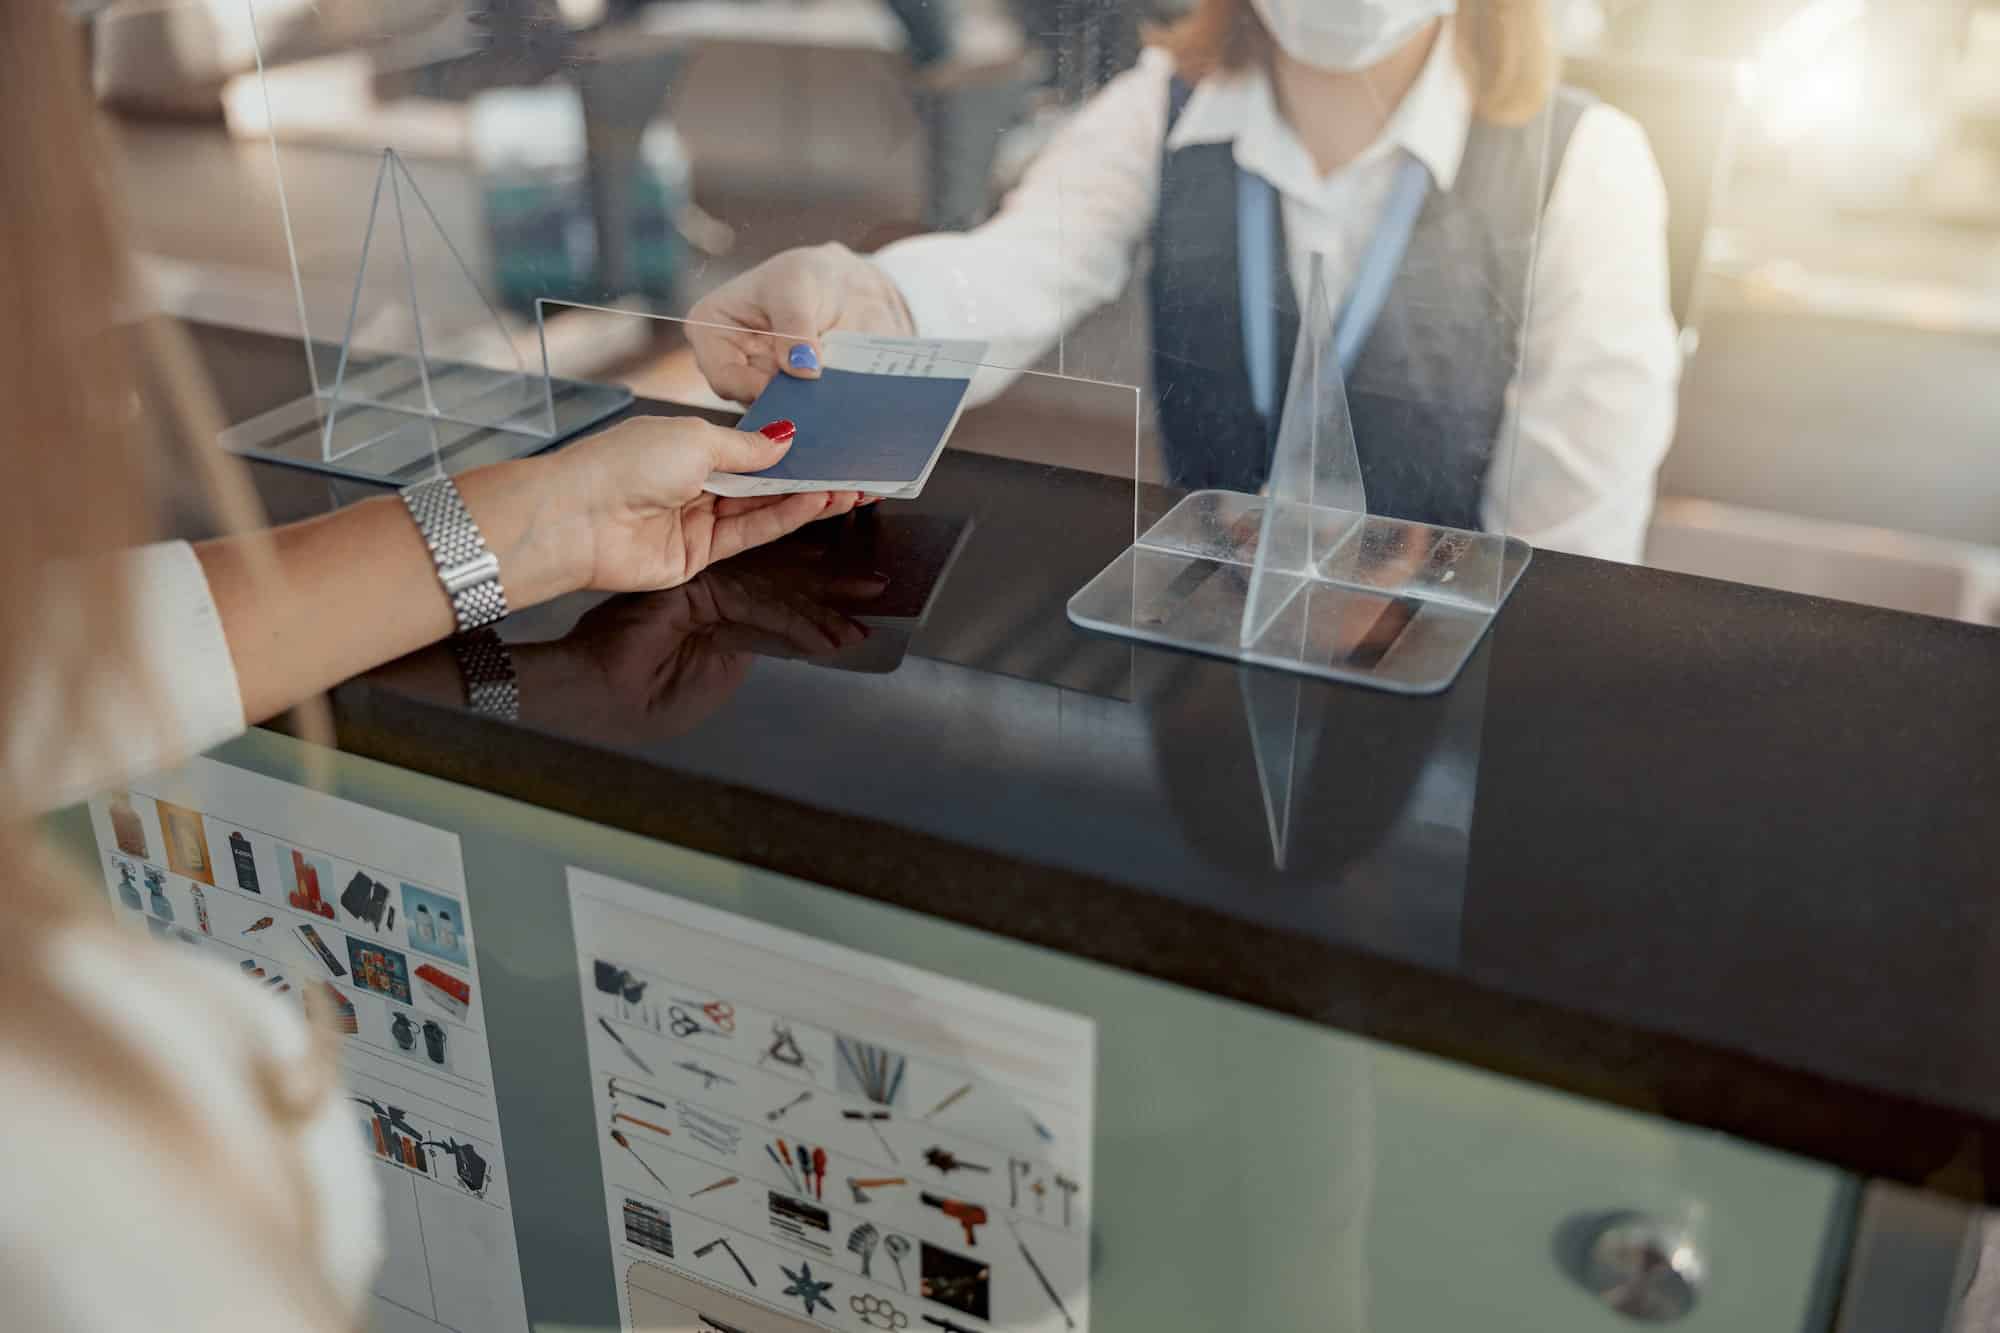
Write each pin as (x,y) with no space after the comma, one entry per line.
(650,666)
(624,510)
(799,295)
(653,666)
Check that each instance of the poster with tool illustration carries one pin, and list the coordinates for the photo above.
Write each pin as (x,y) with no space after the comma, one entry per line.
(826,1137)
(311,899)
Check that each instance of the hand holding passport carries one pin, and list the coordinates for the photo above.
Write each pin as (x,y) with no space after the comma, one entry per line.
(875,420)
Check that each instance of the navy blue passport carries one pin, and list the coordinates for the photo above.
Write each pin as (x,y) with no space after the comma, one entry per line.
(880,433)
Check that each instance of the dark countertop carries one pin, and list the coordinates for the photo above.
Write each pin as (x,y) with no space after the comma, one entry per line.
(1715,852)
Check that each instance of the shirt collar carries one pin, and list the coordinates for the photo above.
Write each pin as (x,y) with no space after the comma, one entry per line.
(1241,109)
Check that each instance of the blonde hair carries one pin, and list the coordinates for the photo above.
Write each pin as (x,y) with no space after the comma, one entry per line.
(69,382)
(105,402)
(86,455)
(1508,48)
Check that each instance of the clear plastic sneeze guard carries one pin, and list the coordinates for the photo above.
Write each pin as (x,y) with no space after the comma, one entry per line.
(395,410)
(444,176)
(1304,577)
(977,399)
(1339,565)
(413,368)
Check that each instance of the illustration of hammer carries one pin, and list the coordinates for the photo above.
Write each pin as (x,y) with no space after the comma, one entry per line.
(1069,1188)
(643,1124)
(873,1183)
(611,1087)
(967,1215)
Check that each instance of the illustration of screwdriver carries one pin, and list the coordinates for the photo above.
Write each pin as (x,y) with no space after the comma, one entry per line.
(1048,1287)
(618,1137)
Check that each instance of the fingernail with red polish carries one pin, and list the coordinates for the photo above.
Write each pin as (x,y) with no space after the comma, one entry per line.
(778,431)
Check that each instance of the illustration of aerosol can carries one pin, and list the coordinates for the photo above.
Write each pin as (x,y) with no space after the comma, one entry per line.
(422,933)
(128,887)
(156,889)
(246,863)
(447,933)
(434,1041)
(200,909)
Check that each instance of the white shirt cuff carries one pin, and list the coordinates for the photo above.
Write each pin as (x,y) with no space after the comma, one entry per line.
(177,698)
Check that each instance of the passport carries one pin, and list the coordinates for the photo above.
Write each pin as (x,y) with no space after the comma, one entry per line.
(875,420)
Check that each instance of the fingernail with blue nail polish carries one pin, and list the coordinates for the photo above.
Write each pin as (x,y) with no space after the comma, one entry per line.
(803,357)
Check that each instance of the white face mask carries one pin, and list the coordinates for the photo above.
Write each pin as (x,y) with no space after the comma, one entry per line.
(1346,34)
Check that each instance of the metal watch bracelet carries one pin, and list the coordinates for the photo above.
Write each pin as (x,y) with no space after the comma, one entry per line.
(470,573)
(486,668)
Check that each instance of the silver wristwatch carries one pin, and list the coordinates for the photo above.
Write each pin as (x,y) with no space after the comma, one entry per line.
(470,573)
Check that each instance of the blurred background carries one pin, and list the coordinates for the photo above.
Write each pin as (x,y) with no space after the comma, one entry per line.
(1833,168)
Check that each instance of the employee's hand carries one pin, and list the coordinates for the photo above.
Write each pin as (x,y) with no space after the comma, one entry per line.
(800,295)
(624,511)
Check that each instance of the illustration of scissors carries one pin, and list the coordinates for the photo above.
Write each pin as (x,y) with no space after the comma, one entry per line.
(683,1024)
(720,1014)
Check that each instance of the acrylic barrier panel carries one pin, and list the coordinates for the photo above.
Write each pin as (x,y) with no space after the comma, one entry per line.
(1426,315)
(618,155)
(606,154)
(1516,248)
(1334,433)
(880,414)
(409,357)
(1337,590)
(979,567)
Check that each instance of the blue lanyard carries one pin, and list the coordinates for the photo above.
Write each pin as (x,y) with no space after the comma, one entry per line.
(1256,276)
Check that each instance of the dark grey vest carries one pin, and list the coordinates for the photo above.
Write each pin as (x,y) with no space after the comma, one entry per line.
(1429,391)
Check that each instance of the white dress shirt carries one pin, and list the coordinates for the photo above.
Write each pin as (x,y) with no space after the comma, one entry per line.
(184,701)
(1595,399)
(244,1199)
(219,1186)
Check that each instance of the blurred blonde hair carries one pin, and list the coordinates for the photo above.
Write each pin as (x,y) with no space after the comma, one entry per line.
(84,452)
(1508,48)
(91,435)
